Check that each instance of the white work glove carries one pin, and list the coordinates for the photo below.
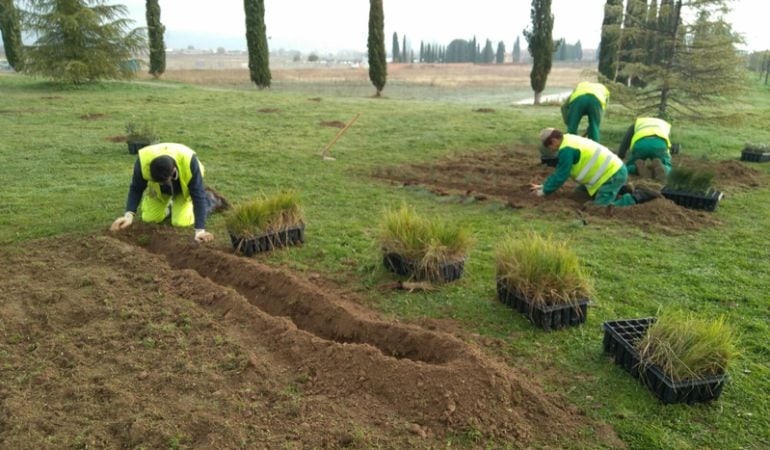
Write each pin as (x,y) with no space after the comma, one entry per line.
(122,222)
(202,235)
(539,192)
(536,189)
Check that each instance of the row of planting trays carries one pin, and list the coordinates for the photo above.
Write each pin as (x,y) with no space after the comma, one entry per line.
(556,312)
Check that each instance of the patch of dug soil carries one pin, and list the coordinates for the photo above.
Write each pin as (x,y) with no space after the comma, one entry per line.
(268,110)
(332,123)
(506,173)
(94,116)
(484,110)
(118,138)
(109,344)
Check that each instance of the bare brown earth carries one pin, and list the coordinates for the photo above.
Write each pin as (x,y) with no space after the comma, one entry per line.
(146,340)
(505,175)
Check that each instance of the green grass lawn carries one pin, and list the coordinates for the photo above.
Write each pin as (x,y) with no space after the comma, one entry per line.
(61,175)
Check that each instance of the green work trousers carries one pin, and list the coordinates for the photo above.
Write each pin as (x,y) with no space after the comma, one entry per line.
(608,192)
(651,147)
(585,105)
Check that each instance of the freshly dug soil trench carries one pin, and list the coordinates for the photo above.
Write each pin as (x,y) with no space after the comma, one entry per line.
(505,174)
(149,340)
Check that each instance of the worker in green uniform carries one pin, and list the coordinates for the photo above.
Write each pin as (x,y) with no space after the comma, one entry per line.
(594,167)
(588,99)
(650,144)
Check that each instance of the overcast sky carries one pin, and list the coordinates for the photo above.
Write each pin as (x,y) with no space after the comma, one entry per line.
(331,25)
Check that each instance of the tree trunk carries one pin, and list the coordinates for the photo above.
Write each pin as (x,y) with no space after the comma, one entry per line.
(538,95)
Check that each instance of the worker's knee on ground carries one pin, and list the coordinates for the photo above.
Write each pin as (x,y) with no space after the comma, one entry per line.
(182,214)
(151,215)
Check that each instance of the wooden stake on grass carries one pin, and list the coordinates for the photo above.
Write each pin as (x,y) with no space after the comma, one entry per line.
(325,152)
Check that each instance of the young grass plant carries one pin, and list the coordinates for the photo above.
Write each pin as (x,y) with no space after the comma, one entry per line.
(141,132)
(264,215)
(685,179)
(545,271)
(685,346)
(429,243)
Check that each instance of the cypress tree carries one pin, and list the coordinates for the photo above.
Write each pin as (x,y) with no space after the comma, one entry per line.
(578,56)
(500,55)
(11,31)
(610,43)
(396,49)
(487,55)
(376,46)
(155,30)
(404,53)
(422,52)
(651,28)
(516,54)
(541,45)
(256,41)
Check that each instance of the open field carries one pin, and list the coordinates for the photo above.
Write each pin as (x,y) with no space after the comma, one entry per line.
(144,340)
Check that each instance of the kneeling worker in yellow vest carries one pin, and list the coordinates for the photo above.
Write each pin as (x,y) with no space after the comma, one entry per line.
(648,139)
(593,166)
(167,174)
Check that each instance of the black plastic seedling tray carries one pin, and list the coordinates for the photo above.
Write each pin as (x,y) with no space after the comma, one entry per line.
(706,202)
(268,241)
(134,147)
(552,317)
(447,272)
(755,156)
(620,338)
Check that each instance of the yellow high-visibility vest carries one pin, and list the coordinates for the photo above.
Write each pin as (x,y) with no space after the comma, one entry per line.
(597,163)
(181,154)
(598,90)
(650,126)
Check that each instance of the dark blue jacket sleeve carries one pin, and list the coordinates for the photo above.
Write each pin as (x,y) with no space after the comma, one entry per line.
(198,193)
(135,191)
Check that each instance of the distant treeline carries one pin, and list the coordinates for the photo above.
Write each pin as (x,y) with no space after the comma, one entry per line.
(471,51)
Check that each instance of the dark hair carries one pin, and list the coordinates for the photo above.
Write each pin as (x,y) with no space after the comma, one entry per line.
(555,134)
(161,168)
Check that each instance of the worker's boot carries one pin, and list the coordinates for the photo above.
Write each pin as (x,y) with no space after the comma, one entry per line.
(642,194)
(215,202)
(641,169)
(658,171)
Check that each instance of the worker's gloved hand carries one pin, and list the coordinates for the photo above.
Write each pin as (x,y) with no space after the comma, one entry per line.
(122,222)
(202,235)
(536,189)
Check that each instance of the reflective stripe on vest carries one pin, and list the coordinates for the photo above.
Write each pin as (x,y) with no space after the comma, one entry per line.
(650,126)
(182,156)
(596,89)
(597,163)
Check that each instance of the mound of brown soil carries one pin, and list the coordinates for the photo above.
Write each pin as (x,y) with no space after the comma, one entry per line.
(506,174)
(112,344)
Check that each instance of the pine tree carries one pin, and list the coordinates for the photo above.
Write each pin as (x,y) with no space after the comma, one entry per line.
(633,41)
(396,49)
(541,45)
(10,28)
(516,54)
(256,41)
(155,30)
(81,40)
(376,46)
(698,64)
(561,50)
(610,43)
(500,55)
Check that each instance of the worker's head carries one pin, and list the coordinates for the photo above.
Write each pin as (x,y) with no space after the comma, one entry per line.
(550,141)
(163,169)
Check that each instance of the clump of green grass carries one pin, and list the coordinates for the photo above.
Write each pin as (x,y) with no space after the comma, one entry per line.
(264,214)
(696,181)
(543,270)
(141,132)
(756,148)
(429,242)
(685,346)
